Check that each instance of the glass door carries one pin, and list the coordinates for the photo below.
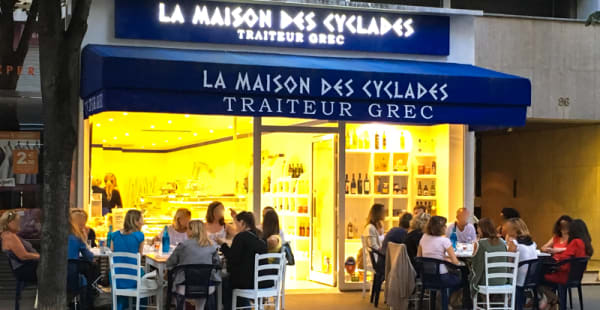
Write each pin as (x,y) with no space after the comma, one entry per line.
(324,209)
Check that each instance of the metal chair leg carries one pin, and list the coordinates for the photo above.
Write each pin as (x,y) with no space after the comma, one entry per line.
(570,298)
(579,291)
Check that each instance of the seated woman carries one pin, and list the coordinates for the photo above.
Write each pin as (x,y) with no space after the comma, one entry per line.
(373,231)
(560,238)
(397,234)
(415,233)
(264,213)
(271,232)
(519,240)
(488,242)
(78,250)
(240,257)
(23,257)
(435,244)
(215,223)
(130,239)
(178,231)
(197,249)
(580,245)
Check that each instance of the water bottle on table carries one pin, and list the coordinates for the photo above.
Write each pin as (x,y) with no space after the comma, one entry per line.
(453,239)
(166,241)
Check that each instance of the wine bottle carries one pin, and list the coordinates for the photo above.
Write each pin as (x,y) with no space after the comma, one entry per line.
(432,190)
(347,185)
(425,191)
(419,190)
(350,231)
(384,141)
(367,184)
(360,184)
(353,186)
(376,140)
(433,168)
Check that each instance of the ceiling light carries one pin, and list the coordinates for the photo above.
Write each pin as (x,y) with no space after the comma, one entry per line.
(143,147)
(153,144)
(169,121)
(103,141)
(187,115)
(110,119)
(114,138)
(179,138)
(195,134)
(125,113)
(127,134)
(166,141)
(211,131)
(98,125)
(152,126)
(230,127)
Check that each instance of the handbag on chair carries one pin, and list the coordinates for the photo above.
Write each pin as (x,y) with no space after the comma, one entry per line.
(289,255)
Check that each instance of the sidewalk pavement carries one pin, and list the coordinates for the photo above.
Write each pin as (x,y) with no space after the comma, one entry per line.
(332,300)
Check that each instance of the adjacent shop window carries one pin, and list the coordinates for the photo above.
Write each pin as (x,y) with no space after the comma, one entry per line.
(163,162)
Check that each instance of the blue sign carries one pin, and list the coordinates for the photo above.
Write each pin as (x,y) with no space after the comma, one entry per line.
(250,84)
(282,26)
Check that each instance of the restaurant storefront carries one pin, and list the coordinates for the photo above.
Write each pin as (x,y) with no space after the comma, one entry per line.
(316,110)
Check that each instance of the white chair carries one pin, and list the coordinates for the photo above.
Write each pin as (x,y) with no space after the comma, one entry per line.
(499,265)
(283,280)
(138,293)
(258,294)
(366,263)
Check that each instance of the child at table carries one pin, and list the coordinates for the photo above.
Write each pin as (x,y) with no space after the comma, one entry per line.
(197,249)
(130,239)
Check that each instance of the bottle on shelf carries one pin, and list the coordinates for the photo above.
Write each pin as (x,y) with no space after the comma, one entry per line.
(425,191)
(432,190)
(353,186)
(386,187)
(350,231)
(347,185)
(377,140)
(384,141)
(419,190)
(291,170)
(301,232)
(396,189)
(433,168)
(360,184)
(402,141)
(307,231)
(367,185)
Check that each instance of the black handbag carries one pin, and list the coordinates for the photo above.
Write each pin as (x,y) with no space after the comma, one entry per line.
(289,255)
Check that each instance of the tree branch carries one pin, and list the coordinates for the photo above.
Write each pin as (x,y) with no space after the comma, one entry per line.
(28,30)
(78,25)
(50,20)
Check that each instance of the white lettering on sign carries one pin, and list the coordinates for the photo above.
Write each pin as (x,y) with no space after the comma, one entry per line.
(298,27)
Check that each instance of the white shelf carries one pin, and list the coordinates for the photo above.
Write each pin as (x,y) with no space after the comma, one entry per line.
(358,151)
(400,173)
(425,155)
(350,196)
(285,195)
(426,176)
(426,198)
(400,196)
(382,173)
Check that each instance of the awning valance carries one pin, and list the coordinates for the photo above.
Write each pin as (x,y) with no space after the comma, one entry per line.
(145,79)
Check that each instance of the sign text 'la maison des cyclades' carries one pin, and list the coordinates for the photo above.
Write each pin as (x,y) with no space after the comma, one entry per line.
(282,26)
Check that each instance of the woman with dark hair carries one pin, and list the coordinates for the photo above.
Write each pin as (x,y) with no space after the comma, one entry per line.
(240,255)
(488,242)
(579,245)
(560,240)
(271,232)
(507,214)
(374,228)
(215,223)
(435,244)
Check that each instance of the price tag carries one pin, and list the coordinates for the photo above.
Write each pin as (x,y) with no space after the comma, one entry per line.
(25,162)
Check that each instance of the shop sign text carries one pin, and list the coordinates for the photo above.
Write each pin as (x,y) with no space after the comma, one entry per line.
(282,26)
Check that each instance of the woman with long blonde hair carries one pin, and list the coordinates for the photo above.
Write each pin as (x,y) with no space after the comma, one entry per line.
(24,258)
(111,198)
(197,249)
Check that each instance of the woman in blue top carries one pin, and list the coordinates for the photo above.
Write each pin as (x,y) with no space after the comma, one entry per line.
(130,240)
(80,275)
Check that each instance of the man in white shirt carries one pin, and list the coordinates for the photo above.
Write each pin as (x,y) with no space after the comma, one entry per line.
(465,232)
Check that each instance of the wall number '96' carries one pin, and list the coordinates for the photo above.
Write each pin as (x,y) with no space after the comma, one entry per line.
(563,102)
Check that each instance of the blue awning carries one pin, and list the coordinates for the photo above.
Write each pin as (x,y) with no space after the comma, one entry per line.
(145,79)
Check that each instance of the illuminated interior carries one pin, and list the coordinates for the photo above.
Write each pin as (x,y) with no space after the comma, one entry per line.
(167,161)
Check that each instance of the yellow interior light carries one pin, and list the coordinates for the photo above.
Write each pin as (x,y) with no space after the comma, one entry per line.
(125,113)
(127,134)
(152,126)
(169,121)
(187,116)
(114,138)
(98,125)
(179,138)
(211,131)
(110,119)
(195,134)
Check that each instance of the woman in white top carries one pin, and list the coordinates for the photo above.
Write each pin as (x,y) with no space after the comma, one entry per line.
(434,244)
(518,240)
(178,230)
(374,229)
(215,223)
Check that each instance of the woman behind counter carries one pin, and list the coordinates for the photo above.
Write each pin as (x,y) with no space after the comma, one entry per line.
(111,198)
(197,249)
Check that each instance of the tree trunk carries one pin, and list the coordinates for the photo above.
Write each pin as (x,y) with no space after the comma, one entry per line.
(59,64)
